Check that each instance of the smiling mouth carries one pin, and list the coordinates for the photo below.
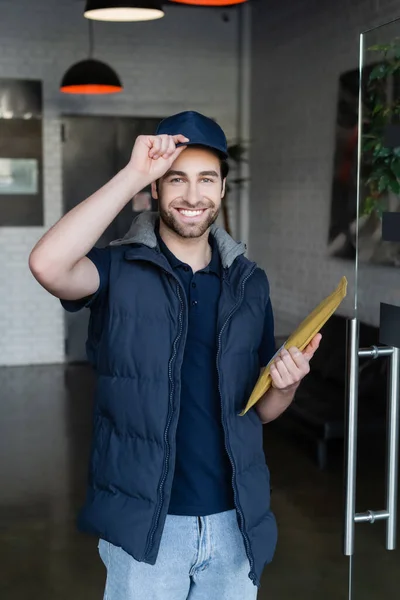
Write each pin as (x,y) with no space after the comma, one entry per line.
(191,213)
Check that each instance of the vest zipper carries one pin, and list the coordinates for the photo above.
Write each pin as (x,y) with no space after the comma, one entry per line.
(249,553)
(169,420)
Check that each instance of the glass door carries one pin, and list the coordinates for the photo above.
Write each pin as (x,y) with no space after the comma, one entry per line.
(371,508)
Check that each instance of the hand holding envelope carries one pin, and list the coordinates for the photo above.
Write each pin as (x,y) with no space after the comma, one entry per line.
(300,339)
(291,366)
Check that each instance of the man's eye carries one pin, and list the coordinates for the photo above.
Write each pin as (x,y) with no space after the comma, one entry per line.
(207,180)
(176,180)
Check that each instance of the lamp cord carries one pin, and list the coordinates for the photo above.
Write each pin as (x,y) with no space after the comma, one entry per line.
(91,40)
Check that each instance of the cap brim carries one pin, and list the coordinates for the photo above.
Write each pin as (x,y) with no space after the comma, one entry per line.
(222,153)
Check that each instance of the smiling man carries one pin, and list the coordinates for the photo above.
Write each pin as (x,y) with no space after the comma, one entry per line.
(181,324)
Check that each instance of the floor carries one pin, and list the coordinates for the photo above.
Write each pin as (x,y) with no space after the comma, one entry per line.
(45,416)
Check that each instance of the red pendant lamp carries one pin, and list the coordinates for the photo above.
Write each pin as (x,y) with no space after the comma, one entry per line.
(210,2)
(91,76)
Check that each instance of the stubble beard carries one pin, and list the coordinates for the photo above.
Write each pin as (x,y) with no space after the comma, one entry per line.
(187,230)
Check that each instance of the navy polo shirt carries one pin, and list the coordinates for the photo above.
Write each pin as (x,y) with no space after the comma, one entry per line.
(202,482)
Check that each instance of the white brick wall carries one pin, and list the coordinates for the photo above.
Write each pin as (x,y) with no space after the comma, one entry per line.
(188,60)
(299,50)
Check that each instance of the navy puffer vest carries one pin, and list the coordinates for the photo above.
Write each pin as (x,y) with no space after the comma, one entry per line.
(136,343)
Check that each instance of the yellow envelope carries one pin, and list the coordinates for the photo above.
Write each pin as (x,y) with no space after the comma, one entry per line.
(300,338)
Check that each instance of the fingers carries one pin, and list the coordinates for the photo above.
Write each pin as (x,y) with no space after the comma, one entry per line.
(312,347)
(298,358)
(279,373)
(155,146)
(160,146)
(289,368)
(165,145)
(292,365)
(171,146)
(316,341)
(180,139)
(177,152)
(277,380)
(282,379)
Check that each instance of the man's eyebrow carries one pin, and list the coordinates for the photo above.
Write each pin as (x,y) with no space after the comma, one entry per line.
(174,173)
(209,174)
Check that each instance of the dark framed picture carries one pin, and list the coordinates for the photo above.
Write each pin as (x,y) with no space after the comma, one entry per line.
(21,153)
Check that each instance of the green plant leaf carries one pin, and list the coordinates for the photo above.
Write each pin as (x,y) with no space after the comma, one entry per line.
(382,152)
(372,204)
(379,72)
(377,108)
(376,174)
(383,183)
(380,48)
(369,204)
(394,65)
(369,145)
(394,186)
(395,167)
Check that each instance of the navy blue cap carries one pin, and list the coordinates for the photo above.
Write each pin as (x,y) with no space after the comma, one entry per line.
(200,130)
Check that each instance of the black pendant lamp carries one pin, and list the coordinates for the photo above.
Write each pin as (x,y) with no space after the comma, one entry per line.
(91,76)
(123,10)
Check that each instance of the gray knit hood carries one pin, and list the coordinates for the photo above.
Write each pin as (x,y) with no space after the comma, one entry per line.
(142,231)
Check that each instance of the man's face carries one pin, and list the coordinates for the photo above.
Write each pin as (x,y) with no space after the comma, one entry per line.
(190,193)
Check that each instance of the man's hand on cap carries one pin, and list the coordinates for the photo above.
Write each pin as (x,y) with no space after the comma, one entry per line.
(153,155)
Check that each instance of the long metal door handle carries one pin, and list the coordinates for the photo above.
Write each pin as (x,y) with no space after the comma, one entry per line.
(393,448)
(351,434)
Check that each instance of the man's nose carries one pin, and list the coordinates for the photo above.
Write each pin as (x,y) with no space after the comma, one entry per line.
(192,195)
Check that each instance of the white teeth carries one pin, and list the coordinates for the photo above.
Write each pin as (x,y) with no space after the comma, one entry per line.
(191,213)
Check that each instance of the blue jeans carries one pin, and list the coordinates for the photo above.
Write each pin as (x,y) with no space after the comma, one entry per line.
(200,559)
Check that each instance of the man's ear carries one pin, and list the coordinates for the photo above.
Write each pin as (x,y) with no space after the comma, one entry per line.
(154,190)
(223,188)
